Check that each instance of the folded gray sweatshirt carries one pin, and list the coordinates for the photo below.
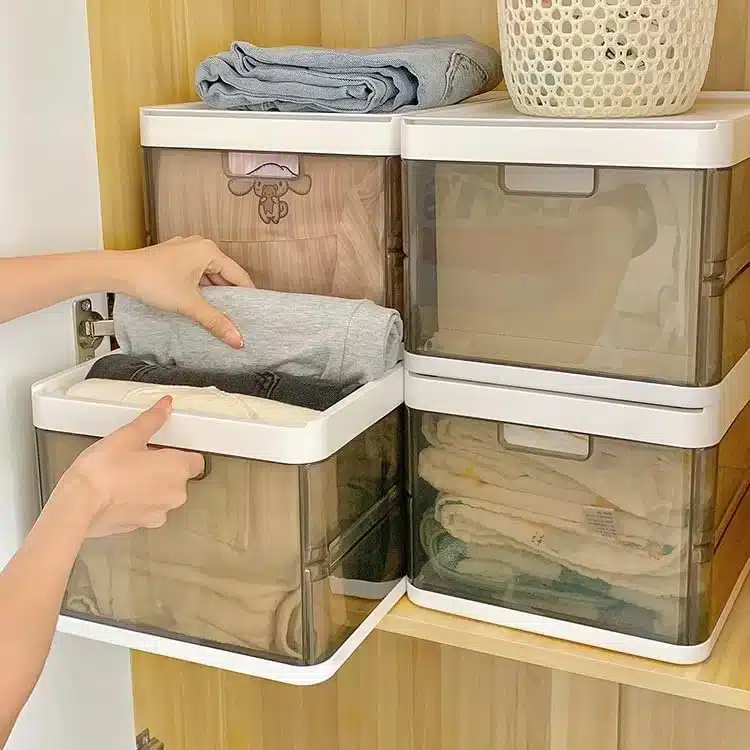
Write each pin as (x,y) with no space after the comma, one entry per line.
(418,75)
(340,340)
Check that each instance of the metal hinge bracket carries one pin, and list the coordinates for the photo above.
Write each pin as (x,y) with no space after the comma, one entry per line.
(144,741)
(90,329)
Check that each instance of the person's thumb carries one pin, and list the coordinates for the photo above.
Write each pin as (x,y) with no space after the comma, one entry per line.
(138,433)
(214,321)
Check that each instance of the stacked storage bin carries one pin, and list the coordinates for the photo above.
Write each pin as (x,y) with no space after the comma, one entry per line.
(577,371)
(292,547)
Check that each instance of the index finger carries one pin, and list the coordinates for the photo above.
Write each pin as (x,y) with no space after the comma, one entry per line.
(137,433)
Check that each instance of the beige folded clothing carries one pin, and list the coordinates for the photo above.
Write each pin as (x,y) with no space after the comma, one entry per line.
(645,481)
(616,516)
(198,400)
(528,492)
(655,571)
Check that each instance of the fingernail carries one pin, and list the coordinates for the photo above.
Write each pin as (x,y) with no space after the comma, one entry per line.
(234,339)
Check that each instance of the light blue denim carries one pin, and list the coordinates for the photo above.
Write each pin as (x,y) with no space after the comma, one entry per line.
(418,75)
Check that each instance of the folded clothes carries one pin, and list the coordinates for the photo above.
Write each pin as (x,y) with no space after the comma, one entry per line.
(507,575)
(645,481)
(199,400)
(339,340)
(616,516)
(427,73)
(651,570)
(517,487)
(238,608)
(310,393)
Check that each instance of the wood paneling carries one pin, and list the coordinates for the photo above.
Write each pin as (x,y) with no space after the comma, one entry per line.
(724,679)
(397,692)
(676,724)
(730,59)
(145,52)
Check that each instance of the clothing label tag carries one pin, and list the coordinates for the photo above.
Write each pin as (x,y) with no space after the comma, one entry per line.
(602,521)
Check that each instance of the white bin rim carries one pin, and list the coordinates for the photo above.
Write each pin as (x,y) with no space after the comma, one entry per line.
(714,134)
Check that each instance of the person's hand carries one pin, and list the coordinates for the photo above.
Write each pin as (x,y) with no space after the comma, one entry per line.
(169,276)
(127,485)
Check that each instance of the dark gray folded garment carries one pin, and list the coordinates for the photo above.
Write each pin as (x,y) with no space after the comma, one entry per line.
(427,73)
(310,393)
(340,340)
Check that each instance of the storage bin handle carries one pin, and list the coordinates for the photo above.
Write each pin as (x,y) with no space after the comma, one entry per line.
(206,468)
(558,182)
(542,442)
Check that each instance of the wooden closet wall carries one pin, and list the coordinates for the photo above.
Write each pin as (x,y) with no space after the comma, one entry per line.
(396,693)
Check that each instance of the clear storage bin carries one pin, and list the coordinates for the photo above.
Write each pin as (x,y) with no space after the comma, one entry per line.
(618,250)
(605,541)
(305,203)
(289,543)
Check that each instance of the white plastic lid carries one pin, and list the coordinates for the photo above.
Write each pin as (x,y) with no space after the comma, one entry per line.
(197,126)
(715,134)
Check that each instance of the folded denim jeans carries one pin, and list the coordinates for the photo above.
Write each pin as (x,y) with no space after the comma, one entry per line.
(433,72)
(310,393)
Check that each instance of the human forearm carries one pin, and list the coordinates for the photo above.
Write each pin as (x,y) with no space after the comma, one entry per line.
(31,590)
(166,276)
(35,282)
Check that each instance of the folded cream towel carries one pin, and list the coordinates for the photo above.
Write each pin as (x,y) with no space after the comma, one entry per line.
(511,486)
(197,400)
(183,599)
(646,481)
(473,523)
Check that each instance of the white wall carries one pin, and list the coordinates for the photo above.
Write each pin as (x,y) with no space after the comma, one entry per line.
(49,201)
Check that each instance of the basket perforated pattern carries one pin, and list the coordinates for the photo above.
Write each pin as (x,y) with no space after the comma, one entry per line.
(605,58)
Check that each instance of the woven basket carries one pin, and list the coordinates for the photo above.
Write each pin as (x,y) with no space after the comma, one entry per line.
(605,58)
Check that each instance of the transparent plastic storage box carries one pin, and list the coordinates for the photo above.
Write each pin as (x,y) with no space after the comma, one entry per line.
(306,203)
(543,252)
(619,526)
(286,554)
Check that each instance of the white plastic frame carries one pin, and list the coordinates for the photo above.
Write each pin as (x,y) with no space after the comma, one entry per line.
(570,631)
(233,662)
(197,126)
(714,134)
(697,426)
(299,444)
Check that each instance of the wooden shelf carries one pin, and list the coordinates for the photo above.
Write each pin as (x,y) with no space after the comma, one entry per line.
(722,680)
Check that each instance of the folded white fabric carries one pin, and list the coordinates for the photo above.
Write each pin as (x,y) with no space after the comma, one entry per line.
(513,487)
(645,481)
(473,522)
(197,400)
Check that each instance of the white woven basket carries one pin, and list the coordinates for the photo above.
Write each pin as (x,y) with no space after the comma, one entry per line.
(605,58)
